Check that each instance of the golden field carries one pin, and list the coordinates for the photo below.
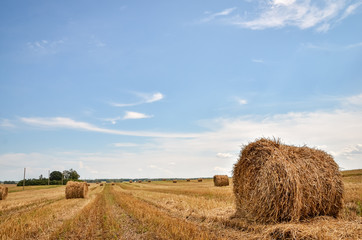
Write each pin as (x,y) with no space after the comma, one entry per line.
(161,210)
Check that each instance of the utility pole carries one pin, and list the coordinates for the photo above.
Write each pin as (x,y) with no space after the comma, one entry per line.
(24,179)
(48,177)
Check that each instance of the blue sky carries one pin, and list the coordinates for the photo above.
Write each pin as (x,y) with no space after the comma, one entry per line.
(122,89)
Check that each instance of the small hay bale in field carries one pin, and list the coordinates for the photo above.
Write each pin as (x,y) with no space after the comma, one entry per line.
(187,180)
(139,181)
(199,180)
(221,180)
(88,184)
(274,182)
(76,190)
(130,181)
(174,181)
(163,179)
(149,181)
(3,192)
(113,183)
(101,184)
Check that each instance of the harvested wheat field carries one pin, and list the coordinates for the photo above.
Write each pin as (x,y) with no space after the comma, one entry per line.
(162,210)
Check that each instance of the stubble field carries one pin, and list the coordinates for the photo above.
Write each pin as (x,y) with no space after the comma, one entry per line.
(160,210)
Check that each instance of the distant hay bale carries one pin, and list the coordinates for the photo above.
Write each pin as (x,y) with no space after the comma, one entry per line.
(274,182)
(187,180)
(76,190)
(139,181)
(101,184)
(149,181)
(199,180)
(174,181)
(221,180)
(3,192)
(163,179)
(130,181)
(113,183)
(88,184)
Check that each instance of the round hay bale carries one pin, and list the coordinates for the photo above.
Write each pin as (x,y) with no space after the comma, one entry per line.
(139,181)
(174,181)
(3,192)
(113,183)
(101,184)
(163,179)
(199,180)
(76,190)
(149,181)
(187,180)
(130,181)
(88,184)
(221,180)
(274,182)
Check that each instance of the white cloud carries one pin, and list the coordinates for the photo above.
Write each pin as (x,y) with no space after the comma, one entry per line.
(126,144)
(220,169)
(145,98)
(350,10)
(241,101)
(60,122)
(135,115)
(6,123)
(303,14)
(112,120)
(224,155)
(257,60)
(212,16)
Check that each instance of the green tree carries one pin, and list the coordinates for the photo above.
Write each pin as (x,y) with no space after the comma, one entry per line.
(55,175)
(71,174)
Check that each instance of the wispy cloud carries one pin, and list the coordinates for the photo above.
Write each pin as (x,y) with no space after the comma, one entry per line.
(331,47)
(60,122)
(255,60)
(135,115)
(303,14)
(241,101)
(126,144)
(112,120)
(6,123)
(145,98)
(46,46)
(212,16)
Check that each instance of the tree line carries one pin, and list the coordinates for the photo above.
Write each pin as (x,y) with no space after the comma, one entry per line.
(55,178)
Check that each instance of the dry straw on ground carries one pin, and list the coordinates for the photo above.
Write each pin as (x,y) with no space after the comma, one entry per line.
(199,180)
(76,190)
(274,182)
(3,192)
(221,180)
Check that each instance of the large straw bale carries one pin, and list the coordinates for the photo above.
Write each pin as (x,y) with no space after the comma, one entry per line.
(221,180)
(3,192)
(274,182)
(76,190)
